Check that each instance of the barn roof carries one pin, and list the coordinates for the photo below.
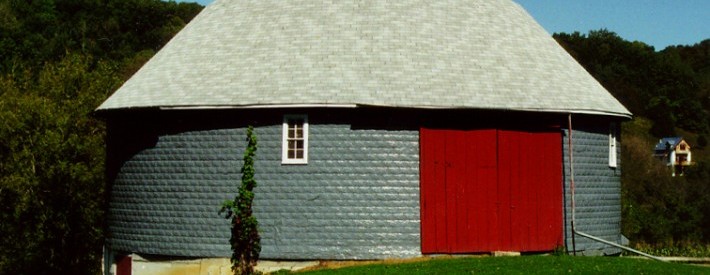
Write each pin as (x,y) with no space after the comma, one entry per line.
(486,54)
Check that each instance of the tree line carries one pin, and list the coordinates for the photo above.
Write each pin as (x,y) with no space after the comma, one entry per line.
(671,87)
(61,58)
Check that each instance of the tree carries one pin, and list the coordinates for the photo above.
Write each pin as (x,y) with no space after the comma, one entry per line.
(670,86)
(51,177)
(658,209)
(59,61)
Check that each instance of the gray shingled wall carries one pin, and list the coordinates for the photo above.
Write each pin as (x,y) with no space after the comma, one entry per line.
(597,188)
(358,198)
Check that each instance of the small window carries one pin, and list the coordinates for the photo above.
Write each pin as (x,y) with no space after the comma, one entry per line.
(612,145)
(295,139)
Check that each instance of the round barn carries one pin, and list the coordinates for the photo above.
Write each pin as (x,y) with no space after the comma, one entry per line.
(386,129)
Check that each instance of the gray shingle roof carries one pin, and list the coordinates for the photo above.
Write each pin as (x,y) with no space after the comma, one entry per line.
(667,142)
(486,54)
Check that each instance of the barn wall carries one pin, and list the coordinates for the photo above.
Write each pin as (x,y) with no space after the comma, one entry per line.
(597,188)
(358,197)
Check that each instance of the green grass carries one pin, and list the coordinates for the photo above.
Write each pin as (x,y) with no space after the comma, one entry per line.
(523,265)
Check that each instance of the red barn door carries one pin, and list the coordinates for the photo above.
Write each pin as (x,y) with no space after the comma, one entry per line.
(490,190)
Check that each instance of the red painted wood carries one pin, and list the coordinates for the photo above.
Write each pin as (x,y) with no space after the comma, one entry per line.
(440,195)
(487,190)
(530,177)
(469,231)
(425,183)
(123,265)
(434,223)
(504,192)
(453,183)
(551,207)
(532,188)
(483,202)
(453,188)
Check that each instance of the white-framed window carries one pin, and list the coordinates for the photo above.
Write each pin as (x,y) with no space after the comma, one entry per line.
(294,148)
(612,145)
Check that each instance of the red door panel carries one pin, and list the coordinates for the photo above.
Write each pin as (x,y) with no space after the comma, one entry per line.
(550,195)
(433,200)
(530,179)
(455,180)
(489,190)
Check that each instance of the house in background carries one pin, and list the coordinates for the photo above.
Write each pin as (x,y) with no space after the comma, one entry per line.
(675,152)
(387,129)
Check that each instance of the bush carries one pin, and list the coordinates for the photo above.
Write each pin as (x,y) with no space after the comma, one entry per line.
(702,141)
(245,241)
(681,249)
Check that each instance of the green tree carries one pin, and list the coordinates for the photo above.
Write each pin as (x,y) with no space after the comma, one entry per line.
(51,172)
(35,32)
(59,59)
(617,64)
(669,86)
(658,209)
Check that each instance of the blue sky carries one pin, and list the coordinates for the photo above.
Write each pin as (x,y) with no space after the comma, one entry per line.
(659,23)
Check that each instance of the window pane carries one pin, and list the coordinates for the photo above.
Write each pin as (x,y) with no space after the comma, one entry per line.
(294,147)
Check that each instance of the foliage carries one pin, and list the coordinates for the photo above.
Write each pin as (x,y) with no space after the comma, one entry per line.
(682,249)
(702,141)
(35,32)
(59,60)
(51,174)
(658,208)
(671,86)
(245,238)
(521,265)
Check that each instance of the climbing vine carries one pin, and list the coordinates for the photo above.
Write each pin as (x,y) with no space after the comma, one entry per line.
(245,238)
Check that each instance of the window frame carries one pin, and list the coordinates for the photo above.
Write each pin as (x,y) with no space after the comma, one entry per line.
(285,139)
(612,145)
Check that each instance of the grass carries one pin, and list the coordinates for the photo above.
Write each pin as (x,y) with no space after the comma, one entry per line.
(520,265)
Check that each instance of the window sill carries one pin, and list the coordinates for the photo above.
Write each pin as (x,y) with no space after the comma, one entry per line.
(294,162)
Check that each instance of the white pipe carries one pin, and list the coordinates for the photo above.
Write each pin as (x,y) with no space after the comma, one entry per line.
(570,148)
(571,163)
(574,228)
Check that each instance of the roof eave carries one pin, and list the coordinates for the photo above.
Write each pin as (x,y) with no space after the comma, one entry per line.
(625,115)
